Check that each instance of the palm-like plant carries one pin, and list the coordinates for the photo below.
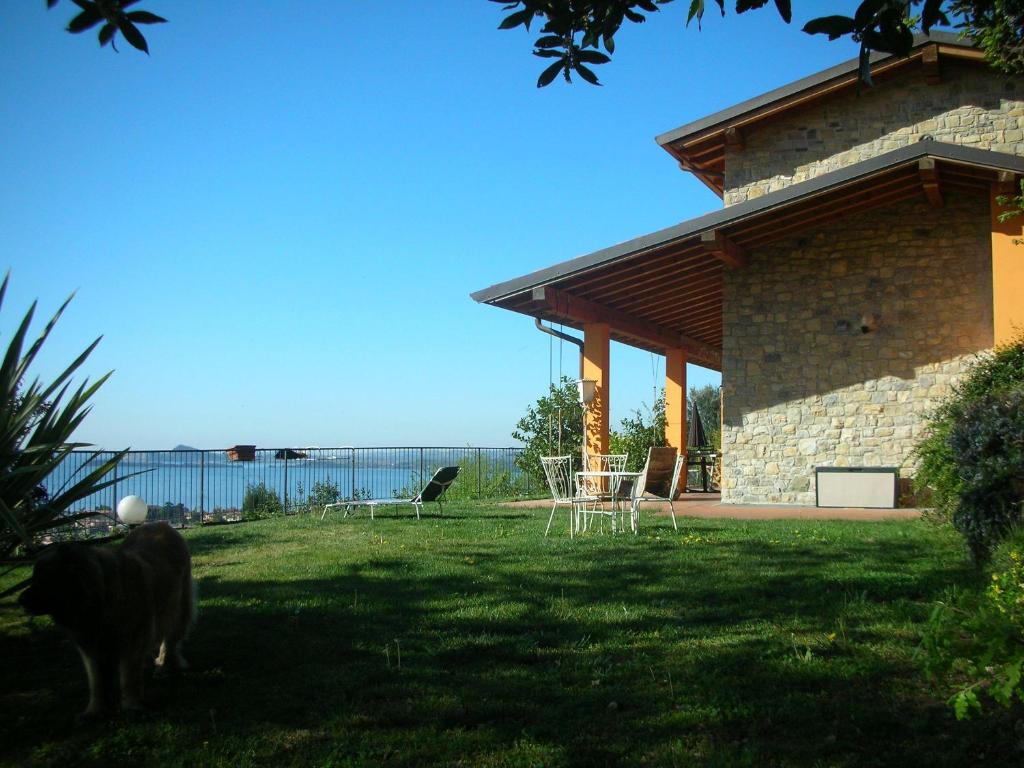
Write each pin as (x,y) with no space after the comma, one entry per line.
(36,423)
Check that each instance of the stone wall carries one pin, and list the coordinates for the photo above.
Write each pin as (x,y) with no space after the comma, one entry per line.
(973,105)
(804,387)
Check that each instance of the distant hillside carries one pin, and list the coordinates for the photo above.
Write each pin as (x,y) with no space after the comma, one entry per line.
(184,448)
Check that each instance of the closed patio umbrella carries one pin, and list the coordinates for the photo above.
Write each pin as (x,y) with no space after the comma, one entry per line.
(696,437)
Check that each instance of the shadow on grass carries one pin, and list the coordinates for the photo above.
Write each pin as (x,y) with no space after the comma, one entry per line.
(596,652)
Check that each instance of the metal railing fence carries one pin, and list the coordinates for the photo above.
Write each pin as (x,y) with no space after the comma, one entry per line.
(191,487)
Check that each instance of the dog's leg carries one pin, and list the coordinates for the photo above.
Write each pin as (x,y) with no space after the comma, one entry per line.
(101,670)
(132,670)
(92,672)
(177,625)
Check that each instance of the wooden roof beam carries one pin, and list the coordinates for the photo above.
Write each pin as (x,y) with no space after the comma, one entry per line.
(930,181)
(722,248)
(584,311)
(930,63)
(734,138)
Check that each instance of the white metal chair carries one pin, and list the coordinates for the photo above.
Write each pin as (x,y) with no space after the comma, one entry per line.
(558,471)
(602,487)
(658,481)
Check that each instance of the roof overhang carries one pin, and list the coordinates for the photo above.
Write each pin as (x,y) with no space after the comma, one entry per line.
(700,146)
(664,290)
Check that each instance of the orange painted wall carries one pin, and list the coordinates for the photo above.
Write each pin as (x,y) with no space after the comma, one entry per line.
(1007,270)
(596,338)
(675,398)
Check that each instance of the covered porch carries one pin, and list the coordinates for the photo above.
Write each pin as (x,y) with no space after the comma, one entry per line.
(664,292)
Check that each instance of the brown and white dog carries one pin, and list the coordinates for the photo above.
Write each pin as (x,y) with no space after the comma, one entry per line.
(125,608)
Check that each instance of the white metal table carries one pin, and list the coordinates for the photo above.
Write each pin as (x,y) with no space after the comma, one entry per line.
(614,479)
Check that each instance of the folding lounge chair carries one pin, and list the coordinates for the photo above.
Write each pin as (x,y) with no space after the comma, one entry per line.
(434,490)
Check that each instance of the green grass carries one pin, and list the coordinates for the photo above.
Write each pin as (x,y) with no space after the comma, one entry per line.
(472,640)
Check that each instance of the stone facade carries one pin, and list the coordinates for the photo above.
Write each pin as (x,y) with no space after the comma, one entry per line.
(804,387)
(972,105)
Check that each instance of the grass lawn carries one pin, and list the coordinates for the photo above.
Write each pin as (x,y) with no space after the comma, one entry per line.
(472,640)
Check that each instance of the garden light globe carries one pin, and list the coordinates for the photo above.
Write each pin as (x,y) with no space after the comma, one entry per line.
(131,510)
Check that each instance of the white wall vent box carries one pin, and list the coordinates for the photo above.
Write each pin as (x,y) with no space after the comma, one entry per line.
(869,487)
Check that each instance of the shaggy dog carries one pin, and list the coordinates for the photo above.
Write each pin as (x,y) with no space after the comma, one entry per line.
(124,608)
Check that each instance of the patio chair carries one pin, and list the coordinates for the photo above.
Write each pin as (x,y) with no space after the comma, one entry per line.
(602,488)
(658,481)
(558,471)
(434,490)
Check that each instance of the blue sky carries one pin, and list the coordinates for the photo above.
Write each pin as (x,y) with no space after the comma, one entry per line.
(276,219)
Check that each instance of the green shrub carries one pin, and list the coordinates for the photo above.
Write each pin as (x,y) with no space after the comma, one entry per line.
(939,475)
(322,492)
(638,432)
(974,641)
(553,426)
(988,442)
(482,477)
(260,502)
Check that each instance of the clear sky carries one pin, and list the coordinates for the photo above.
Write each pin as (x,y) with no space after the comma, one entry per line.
(276,219)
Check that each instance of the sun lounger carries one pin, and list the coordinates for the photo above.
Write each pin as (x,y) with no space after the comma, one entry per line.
(434,490)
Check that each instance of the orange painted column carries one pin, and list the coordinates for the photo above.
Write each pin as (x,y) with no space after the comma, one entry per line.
(675,398)
(596,366)
(1007,269)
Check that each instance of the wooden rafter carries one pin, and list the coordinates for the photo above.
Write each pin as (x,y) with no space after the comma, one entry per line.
(579,310)
(930,181)
(642,291)
(734,138)
(930,63)
(722,248)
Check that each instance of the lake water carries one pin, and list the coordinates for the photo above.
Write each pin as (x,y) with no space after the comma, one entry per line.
(207,481)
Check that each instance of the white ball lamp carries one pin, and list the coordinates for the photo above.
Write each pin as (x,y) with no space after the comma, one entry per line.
(132,510)
(586,388)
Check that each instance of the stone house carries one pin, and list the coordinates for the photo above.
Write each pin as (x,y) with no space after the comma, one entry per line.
(856,267)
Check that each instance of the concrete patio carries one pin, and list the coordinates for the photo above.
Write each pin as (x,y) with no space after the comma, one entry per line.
(709,505)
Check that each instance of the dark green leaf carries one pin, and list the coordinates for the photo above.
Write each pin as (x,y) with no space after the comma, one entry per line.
(549,41)
(145,17)
(586,74)
(549,74)
(85,20)
(865,14)
(592,57)
(895,39)
(132,35)
(742,6)
(106,33)
(696,11)
(516,19)
(833,26)
(51,3)
(785,10)
(549,54)
(609,44)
